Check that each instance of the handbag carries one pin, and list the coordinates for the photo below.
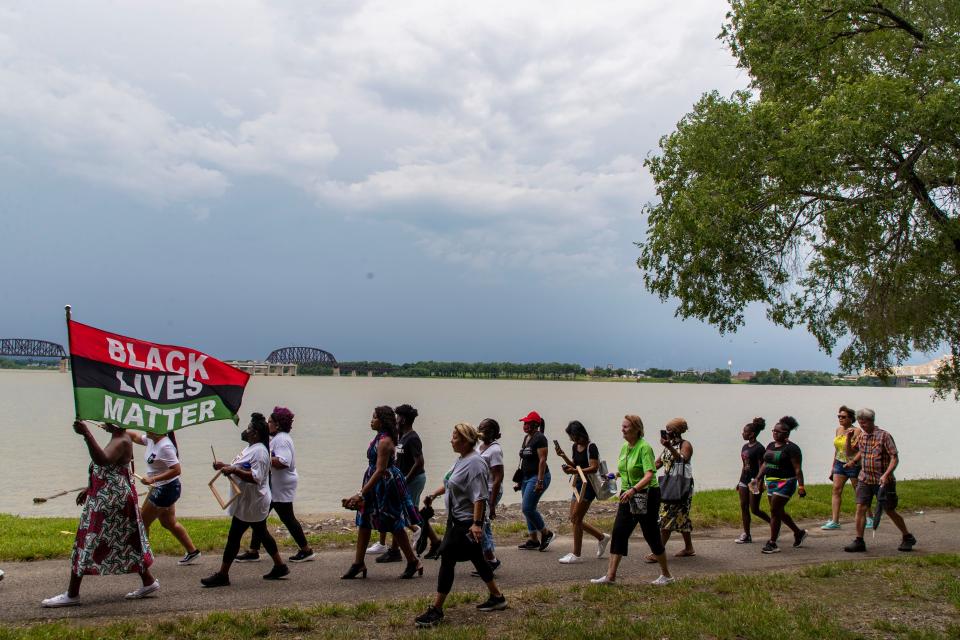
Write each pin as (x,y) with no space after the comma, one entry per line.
(604,487)
(517,476)
(638,503)
(677,484)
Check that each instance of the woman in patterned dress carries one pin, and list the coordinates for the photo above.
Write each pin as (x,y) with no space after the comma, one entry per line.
(675,516)
(110,538)
(382,502)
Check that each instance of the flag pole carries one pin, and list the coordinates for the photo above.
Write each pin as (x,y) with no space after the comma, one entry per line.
(73,369)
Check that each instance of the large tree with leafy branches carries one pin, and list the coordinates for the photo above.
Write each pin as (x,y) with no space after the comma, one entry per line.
(828,191)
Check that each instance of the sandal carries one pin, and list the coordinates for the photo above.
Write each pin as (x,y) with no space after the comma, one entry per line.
(650,558)
(683,553)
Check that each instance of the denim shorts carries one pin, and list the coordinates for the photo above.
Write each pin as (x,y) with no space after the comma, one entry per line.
(785,488)
(840,470)
(165,495)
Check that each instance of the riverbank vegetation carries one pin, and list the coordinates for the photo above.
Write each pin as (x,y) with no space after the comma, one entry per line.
(909,597)
(21,363)
(44,538)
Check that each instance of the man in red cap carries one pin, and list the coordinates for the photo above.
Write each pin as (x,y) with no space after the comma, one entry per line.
(532,479)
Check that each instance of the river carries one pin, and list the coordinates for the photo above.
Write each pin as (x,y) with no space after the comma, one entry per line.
(42,454)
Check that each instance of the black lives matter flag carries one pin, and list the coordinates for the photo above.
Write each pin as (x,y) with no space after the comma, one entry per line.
(146,386)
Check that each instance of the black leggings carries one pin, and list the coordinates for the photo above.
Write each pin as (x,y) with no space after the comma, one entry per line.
(649,523)
(456,548)
(238,528)
(285,511)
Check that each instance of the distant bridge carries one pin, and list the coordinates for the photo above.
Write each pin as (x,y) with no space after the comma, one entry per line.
(302,355)
(30,348)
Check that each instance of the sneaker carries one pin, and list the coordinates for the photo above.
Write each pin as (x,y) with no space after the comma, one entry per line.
(302,556)
(434,552)
(663,580)
(798,538)
(390,555)
(189,558)
(857,546)
(493,603)
(547,539)
(869,524)
(830,525)
(248,556)
(770,547)
(744,539)
(278,571)
(529,545)
(62,600)
(1,574)
(602,545)
(216,580)
(143,591)
(429,618)
(376,547)
(602,580)
(571,559)
(907,543)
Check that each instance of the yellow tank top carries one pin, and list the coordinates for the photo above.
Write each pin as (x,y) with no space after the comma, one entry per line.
(840,444)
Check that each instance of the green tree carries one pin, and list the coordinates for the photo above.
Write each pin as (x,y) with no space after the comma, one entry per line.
(828,192)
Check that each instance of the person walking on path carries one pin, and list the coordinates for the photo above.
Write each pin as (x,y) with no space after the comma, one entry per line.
(410,462)
(844,467)
(879,459)
(283,487)
(586,456)
(492,453)
(111,538)
(163,478)
(251,507)
(534,479)
(782,469)
(382,502)
(467,493)
(639,502)
(675,516)
(751,455)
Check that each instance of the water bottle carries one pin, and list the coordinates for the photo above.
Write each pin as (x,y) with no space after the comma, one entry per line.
(611,476)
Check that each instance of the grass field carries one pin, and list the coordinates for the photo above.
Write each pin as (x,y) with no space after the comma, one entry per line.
(917,598)
(44,538)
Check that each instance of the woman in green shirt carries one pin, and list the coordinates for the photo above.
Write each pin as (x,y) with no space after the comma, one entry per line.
(637,471)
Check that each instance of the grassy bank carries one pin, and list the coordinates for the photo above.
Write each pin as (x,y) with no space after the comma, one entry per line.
(917,598)
(43,538)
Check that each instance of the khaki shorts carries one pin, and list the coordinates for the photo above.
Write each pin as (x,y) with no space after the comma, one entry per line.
(866,492)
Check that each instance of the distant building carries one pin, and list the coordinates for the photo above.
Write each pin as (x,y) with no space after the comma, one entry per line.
(746,376)
(926,370)
(259,368)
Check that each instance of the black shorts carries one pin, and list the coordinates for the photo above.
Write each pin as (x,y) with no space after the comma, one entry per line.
(589,495)
(866,492)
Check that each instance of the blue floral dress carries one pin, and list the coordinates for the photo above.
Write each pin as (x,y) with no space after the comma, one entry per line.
(387,507)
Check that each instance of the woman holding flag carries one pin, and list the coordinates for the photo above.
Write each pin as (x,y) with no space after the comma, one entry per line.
(110,538)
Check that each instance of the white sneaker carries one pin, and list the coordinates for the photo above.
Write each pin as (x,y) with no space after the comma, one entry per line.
(144,591)
(602,545)
(571,559)
(377,548)
(602,580)
(1,574)
(415,536)
(662,580)
(62,600)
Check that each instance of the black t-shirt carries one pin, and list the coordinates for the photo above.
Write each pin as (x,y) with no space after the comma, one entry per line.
(409,449)
(780,461)
(751,455)
(582,458)
(529,457)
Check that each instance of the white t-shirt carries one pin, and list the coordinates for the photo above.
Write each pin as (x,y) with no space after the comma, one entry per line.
(160,456)
(253,505)
(492,454)
(283,482)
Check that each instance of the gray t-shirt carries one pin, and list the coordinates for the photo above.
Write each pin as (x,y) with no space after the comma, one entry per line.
(469,483)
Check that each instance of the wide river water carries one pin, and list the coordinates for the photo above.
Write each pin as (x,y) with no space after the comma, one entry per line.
(42,455)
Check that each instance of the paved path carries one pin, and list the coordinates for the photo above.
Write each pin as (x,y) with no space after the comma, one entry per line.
(26,583)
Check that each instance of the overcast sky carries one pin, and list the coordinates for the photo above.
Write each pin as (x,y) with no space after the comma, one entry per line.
(386,180)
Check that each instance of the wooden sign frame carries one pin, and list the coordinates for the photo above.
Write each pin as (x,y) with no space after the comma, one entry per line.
(216,494)
(583,484)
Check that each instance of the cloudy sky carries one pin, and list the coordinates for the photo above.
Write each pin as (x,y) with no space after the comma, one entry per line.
(386,180)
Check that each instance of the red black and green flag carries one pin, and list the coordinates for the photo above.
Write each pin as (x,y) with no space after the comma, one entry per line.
(149,387)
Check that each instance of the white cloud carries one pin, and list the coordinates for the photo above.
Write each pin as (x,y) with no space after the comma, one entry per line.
(488,128)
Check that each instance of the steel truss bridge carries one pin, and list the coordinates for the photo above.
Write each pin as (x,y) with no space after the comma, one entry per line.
(27,347)
(302,355)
